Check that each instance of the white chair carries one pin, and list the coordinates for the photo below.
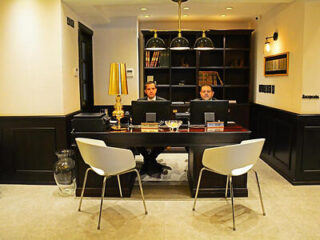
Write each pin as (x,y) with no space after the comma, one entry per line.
(232,160)
(106,161)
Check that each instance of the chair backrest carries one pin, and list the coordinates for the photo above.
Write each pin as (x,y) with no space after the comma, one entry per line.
(109,159)
(226,159)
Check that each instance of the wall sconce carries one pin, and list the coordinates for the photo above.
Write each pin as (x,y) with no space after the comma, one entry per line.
(267,47)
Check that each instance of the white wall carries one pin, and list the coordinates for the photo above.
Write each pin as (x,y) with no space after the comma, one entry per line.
(299,32)
(115,42)
(311,59)
(70,61)
(30,59)
(39,53)
(288,22)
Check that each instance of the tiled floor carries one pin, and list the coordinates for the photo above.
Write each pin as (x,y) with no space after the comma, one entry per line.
(39,212)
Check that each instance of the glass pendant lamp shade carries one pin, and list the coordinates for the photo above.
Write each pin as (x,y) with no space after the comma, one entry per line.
(203,43)
(179,43)
(155,43)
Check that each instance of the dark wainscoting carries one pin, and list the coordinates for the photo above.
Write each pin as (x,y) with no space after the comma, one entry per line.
(292,142)
(28,145)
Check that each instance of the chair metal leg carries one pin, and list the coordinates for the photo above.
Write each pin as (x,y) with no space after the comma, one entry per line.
(226,193)
(119,185)
(263,211)
(231,193)
(83,187)
(102,196)
(141,191)
(197,191)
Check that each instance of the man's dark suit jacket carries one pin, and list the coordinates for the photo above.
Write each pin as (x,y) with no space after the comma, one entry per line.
(157,98)
(200,99)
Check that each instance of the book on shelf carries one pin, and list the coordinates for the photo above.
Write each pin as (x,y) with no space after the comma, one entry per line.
(154,59)
(209,77)
(147,58)
(164,59)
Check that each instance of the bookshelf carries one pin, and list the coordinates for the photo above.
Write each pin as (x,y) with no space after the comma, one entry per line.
(177,73)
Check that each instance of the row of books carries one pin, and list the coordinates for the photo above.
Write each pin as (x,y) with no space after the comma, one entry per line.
(157,59)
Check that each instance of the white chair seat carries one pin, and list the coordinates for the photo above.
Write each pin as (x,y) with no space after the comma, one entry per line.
(106,161)
(98,171)
(232,160)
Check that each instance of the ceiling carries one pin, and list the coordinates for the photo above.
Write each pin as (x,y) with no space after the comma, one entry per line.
(98,12)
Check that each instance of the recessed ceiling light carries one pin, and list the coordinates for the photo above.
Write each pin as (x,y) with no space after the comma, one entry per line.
(146,16)
(143,9)
(229,8)
(186,8)
(223,15)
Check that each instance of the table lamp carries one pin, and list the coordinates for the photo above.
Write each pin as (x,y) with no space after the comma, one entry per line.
(117,86)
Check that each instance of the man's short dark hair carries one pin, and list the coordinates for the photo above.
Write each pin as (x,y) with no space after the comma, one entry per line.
(206,85)
(148,83)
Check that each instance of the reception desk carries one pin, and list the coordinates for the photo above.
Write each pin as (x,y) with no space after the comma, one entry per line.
(196,140)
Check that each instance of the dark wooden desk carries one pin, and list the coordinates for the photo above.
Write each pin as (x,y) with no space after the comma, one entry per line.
(195,139)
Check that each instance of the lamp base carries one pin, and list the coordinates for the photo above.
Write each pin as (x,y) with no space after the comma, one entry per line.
(116,128)
(118,113)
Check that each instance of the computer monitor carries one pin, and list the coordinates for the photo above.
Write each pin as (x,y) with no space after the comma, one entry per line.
(199,108)
(141,108)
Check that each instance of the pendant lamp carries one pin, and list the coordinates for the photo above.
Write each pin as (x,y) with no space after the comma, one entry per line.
(203,43)
(155,43)
(179,43)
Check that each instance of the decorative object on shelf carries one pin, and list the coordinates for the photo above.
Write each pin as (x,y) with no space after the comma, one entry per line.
(150,78)
(155,43)
(276,65)
(118,86)
(203,43)
(65,172)
(209,77)
(267,46)
(179,43)
(182,82)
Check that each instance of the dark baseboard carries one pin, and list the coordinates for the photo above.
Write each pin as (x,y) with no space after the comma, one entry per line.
(292,142)
(28,145)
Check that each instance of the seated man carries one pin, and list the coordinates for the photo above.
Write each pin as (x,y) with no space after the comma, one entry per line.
(206,93)
(150,165)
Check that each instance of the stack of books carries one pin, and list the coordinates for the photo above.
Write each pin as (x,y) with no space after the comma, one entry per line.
(209,77)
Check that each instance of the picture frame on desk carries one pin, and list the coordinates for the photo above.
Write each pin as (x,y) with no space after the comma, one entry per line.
(276,65)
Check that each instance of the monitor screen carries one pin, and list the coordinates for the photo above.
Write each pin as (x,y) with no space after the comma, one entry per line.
(199,108)
(140,108)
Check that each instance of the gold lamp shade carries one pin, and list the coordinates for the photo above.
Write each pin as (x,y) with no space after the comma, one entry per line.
(118,79)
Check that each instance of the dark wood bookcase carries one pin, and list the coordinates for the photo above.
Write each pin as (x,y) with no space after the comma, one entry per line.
(178,80)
